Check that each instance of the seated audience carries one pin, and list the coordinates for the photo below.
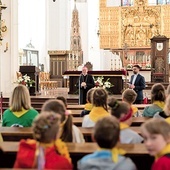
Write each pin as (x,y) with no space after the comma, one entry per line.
(123,112)
(88,106)
(68,131)
(20,112)
(129,96)
(157,99)
(108,156)
(99,110)
(165,113)
(156,134)
(45,152)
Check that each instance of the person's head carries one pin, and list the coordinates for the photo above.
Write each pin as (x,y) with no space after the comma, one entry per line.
(63,99)
(89,95)
(57,106)
(106,132)
(136,69)
(45,127)
(99,98)
(158,93)
(156,134)
(129,96)
(167,106)
(84,70)
(121,110)
(168,90)
(20,99)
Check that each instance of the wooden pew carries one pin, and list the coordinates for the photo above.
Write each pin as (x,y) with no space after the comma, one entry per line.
(137,152)
(137,121)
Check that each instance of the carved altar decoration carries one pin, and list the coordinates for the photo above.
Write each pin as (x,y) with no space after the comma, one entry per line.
(133,26)
(76,55)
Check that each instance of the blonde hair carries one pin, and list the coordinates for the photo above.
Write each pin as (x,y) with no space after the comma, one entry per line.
(129,96)
(20,99)
(45,127)
(157,126)
(167,106)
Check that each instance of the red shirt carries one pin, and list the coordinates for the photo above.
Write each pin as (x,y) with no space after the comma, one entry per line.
(163,163)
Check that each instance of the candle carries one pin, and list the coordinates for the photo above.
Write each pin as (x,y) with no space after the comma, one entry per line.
(69,56)
(6,45)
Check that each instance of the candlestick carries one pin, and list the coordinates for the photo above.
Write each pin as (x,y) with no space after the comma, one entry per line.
(69,56)
(115,64)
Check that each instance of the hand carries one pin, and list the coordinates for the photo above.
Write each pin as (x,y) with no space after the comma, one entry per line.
(83,84)
(132,86)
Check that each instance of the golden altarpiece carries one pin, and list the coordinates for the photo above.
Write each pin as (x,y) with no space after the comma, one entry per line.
(127,30)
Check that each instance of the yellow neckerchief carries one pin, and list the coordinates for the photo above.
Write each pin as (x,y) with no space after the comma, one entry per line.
(123,126)
(164,151)
(159,103)
(134,109)
(115,153)
(19,113)
(97,113)
(168,120)
(88,106)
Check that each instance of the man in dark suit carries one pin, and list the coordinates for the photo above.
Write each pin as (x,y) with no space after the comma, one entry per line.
(85,83)
(137,83)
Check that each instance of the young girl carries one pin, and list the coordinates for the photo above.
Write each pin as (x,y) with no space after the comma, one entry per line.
(45,152)
(123,112)
(20,112)
(68,131)
(158,100)
(156,134)
(99,110)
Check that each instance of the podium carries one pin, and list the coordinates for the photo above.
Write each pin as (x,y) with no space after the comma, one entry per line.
(33,72)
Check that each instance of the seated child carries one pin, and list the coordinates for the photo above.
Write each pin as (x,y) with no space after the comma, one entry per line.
(99,110)
(156,134)
(108,156)
(88,105)
(123,112)
(45,152)
(68,131)
(129,96)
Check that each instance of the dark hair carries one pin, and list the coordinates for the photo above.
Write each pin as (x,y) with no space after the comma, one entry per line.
(89,95)
(100,98)
(58,107)
(158,93)
(117,108)
(129,96)
(63,99)
(136,65)
(45,127)
(106,132)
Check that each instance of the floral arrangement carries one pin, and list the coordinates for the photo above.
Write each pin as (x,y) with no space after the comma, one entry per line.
(148,65)
(25,80)
(99,82)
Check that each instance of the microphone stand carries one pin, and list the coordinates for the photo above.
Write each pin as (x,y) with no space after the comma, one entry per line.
(79,87)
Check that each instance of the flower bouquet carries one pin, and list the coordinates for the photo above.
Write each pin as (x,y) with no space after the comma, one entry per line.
(26,80)
(100,82)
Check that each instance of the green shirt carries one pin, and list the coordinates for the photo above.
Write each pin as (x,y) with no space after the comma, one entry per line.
(9,119)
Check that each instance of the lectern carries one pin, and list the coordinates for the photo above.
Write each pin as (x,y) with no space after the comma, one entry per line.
(33,72)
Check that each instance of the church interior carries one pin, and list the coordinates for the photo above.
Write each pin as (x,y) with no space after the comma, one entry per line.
(46,43)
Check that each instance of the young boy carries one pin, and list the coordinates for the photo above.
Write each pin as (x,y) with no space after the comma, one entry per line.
(129,96)
(108,156)
(88,105)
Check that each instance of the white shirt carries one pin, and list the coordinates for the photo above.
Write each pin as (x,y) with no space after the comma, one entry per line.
(134,78)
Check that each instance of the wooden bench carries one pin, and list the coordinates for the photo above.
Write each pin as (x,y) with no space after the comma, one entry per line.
(136,121)
(137,152)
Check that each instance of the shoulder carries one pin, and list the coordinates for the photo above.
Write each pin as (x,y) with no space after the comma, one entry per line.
(87,122)
(7,111)
(32,111)
(162,163)
(77,135)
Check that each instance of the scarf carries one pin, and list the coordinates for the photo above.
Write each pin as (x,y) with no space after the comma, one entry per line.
(164,151)
(159,104)
(115,153)
(134,110)
(123,126)
(19,113)
(168,120)
(97,113)
(88,106)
